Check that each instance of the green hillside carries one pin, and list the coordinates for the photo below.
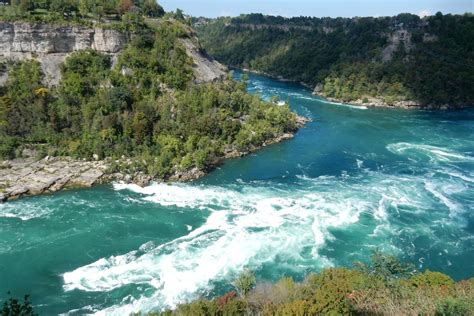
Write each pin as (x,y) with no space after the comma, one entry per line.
(426,61)
(145,107)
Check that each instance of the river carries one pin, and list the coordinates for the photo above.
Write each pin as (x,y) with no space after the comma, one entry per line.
(353,180)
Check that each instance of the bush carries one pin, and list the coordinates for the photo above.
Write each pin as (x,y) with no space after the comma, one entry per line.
(329,291)
(7,148)
(339,291)
(386,266)
(452,307)
(15,307)
(435,280)
(244,283)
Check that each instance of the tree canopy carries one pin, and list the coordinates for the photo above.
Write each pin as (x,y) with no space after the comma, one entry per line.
(399,58)
(145,107)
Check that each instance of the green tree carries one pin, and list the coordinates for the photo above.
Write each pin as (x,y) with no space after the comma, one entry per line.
(386,266)
(15,307)
(124,6)
(179,15)
(152,9)
(244,283)
(25,5)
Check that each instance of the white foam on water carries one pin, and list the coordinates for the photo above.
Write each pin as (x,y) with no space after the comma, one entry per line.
(457,174)
(255,223)
(352,106)
(24,211)
(436,154)
(438,192)
(245,228)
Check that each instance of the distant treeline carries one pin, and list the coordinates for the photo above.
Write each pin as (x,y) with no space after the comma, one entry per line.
(429,60)
(50,10)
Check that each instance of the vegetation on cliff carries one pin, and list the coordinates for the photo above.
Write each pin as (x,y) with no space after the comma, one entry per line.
(78,11)
(427,61)
(145,107)
(384,287)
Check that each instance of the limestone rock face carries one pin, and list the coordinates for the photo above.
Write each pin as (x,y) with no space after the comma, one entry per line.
(51,44)
(109,41)
(43,38)
(205,69)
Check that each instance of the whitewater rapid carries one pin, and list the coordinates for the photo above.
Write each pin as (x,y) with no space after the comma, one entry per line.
(350,182)
(257,223)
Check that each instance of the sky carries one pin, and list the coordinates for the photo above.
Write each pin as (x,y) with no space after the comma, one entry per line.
(318,8)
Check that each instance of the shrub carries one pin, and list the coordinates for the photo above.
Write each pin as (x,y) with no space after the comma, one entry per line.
(200,307)
(15,307)
(7,148)
(340,291)
(435,280)
(385,266)
(328,292)
(244,283)
(224,299)
(452,307)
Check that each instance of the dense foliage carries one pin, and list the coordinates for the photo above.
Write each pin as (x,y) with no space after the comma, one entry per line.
(384,287)
(351,59)
(16,307)
(145,107)
(78,10)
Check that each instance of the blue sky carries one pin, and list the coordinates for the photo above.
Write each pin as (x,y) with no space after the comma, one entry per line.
(318,8)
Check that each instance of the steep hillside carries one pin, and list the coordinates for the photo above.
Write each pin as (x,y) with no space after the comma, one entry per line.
(51,44)
(402,60)
(135,100)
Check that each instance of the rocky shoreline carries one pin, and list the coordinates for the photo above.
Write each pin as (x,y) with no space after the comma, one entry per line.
(33,176)
(370,102)
(279,78)
(379,103)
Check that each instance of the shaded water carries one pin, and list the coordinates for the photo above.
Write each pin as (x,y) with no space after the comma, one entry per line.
(351,181)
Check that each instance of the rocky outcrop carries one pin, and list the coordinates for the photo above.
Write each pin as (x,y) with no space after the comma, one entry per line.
(51,44)
(205,68)
(398,37)
(378,102)
(32,176)
(29,176)
(51,39)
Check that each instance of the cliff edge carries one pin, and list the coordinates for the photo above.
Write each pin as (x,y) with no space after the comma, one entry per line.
(51,44)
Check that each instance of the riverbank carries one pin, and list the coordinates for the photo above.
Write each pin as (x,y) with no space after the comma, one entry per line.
(279,78)
(380,103)
(32,176)
(373,102)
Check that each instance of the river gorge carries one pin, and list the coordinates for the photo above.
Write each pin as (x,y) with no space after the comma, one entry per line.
(352,180)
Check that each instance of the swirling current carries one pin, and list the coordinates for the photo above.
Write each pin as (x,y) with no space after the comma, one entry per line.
(353,180)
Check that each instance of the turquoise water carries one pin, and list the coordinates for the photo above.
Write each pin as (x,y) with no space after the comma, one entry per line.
(351,181)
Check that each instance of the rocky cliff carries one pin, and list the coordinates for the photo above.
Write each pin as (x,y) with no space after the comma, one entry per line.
(51,44)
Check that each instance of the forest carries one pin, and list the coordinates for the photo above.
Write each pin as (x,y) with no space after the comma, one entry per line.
(404,58)
(77,10)
(152,113)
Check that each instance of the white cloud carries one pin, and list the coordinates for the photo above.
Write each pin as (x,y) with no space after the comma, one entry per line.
(424,13)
